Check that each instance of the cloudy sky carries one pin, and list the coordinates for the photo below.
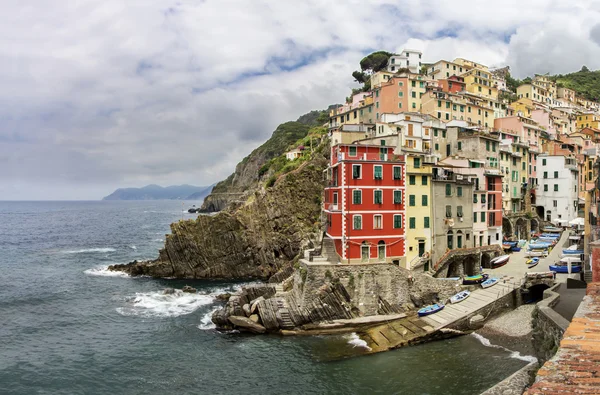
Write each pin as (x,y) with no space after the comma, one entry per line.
(100,94)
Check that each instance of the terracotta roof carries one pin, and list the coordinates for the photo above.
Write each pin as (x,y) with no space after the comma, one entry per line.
(575,369)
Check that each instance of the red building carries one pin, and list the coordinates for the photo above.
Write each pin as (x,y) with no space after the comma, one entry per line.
(494,192)
(453,84)
(364,203)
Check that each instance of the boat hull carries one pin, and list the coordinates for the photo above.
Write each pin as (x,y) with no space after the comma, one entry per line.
(499,261)
(565,269)
(472,280)
(489,283)
(459,297)
(430,310)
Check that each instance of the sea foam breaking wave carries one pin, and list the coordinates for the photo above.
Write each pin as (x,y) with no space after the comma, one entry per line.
(513,354)
(103,271)
(90,250)
(206,322)
(159,304)
(356,341)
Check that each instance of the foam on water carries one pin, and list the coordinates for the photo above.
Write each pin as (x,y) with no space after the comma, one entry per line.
(206,322)
(133,247)
(356,341)
(513,354)
(159,304)
(89,250)
(103,271)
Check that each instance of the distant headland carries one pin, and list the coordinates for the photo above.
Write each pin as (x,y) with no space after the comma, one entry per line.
(156,192)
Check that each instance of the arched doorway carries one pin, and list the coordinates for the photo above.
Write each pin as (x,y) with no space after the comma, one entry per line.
(471,266)
(507,227)
(459,239)
(485,261)
(521,228)
(381,251)
(450,240)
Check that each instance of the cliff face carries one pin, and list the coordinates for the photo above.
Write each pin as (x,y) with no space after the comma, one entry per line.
(255,240)
(236,188)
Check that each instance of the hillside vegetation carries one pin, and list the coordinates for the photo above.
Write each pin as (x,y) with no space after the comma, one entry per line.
(584,82)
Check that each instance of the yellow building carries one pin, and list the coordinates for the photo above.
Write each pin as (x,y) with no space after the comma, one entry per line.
(588,120)
(523,105)
(419,213)
(479,81)
(448,106)
(444,69)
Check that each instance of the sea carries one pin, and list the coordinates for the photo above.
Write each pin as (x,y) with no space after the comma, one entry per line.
(68,326)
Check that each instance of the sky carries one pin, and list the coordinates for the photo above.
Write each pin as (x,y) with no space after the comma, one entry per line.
(97,95)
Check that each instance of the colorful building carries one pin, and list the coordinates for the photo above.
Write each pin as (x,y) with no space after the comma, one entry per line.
(365,204)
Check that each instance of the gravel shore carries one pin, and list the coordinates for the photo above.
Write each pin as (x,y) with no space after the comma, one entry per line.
(511,330)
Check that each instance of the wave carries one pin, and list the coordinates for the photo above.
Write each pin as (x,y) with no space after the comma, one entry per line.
(159,304)
(104,272)
(513,354)
(206,322)
(133,247)
(89,250)
(356,341)
(159,240)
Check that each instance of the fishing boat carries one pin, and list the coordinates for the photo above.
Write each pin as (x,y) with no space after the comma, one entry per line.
(552,229)
(537,253)
(539,246)
(532,262)
(506,246)
(515,249)
(572,250)
(499,261)
(477,279)
(431,309)
(489,283)
(565,268)
(459,297)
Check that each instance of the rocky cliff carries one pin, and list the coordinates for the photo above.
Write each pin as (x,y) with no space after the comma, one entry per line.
(256,239)
(246,178)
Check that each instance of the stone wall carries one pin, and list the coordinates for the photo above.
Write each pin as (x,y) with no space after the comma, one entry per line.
(374,288)
(548,325)
(516,382)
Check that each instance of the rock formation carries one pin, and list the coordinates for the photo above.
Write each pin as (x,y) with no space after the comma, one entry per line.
(256,240)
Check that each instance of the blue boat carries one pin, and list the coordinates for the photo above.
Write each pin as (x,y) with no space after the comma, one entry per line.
(568,251)
(565,268)
(431,309)
(539,246)
(489,283)
(459,297)
(477,279)
(532,262)
(515,249)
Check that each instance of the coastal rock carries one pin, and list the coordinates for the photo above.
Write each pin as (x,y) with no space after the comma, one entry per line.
(246,309)
(224,297)
(254,304)
(189,289)
(256,240)
(168,291)
(255,318)
(247,324)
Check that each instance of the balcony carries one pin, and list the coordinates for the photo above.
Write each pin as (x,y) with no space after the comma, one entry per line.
(331,207)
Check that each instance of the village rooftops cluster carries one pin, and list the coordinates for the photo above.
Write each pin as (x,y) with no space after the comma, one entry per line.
(436,157)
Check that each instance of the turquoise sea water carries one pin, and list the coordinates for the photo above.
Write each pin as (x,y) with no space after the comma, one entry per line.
(68,327)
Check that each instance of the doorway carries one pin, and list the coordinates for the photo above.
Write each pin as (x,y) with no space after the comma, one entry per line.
(421,248)
(381,251)
(364,252)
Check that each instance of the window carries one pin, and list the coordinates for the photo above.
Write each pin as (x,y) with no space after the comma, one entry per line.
(448,211)
(397,197)
(435,131)
(397,173)
(417,163)
(555,174)
(482,217)
(412,223)
(397,221)
(458,191)
(378,196)
(543,162)
(493,147)
(437,147)
(424,200)
(555,203)
(356,171)
(411,200)
(357,196)
(474,198)
(474,217)
(414,105)
(487,145)
(555,187)
(357,222)
(448,190)
(443,133)
(483,198)
(377,221)
(412,180)
(413,95)
(352,151)
(423,180)
(378,172)
(426,222)
(400,105)
(414,84)
(439,103)
(545,174)
(545,188)
(459,211)
(460,145)
(400,94)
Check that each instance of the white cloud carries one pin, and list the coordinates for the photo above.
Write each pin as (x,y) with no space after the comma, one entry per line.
(102,94)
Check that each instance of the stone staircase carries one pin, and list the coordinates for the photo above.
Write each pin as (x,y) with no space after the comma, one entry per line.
(328,250)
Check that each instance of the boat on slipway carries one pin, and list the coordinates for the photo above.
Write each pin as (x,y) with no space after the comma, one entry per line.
(477,279)
(499,261)
(532,262)
(431,309)
(490,282)
(459,297)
